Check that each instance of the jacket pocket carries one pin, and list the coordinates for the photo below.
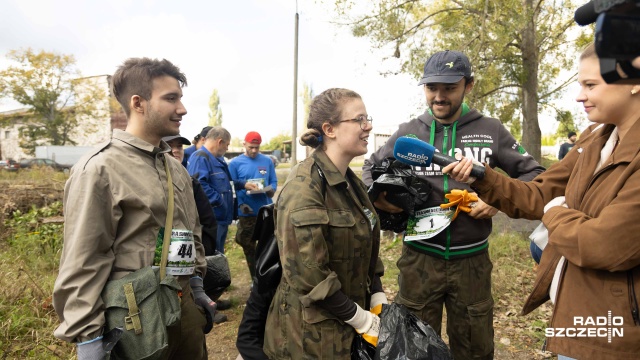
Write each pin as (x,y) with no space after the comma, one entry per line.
(309,238)
(481,326)
(341,233)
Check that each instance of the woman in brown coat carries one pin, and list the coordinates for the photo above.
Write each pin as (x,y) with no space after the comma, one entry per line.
(591,265)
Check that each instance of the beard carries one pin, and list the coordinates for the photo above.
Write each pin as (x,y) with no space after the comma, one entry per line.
(452,109)
(157,124)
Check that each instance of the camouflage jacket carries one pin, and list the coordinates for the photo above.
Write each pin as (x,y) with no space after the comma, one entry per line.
(328,238)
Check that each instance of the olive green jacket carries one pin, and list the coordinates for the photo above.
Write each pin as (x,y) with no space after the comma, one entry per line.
(327,243)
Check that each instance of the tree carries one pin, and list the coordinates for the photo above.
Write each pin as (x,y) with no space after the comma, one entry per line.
(307,97)
(566,124)
(56,96)
(518,48)
(276,142)
(215,116)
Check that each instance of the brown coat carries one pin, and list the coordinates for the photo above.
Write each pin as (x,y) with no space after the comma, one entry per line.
(598,234)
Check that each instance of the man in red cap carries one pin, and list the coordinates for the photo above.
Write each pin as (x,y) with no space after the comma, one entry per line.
(252,167)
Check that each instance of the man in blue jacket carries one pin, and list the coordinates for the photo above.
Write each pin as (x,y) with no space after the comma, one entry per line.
(252,168)
(208,166)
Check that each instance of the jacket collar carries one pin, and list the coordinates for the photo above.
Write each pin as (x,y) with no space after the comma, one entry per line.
(628,148)
(140,144)
(328,169)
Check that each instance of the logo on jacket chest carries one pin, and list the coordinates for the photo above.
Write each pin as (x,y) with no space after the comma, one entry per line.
(262,170)
(479,153)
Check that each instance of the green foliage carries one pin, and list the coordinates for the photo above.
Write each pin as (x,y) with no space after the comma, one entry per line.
(566,124)
(215,116)
(548,140)
(33,238)
(518,48)
(276,141)
(56,97)
(29,259)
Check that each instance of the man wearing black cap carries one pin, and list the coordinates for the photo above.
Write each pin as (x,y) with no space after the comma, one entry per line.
(564,148)
(198,141)
(448,263)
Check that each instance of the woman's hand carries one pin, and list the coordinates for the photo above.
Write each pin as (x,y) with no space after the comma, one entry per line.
(460,171)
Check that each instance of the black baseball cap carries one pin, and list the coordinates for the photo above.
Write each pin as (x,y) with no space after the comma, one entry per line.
(182,139)
(205,131)
(446,67)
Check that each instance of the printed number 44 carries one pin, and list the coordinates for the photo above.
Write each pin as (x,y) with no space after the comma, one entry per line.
(185,251)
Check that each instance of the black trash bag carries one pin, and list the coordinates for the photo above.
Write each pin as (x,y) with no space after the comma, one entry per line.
(404,190)
(268,267)
(361,349)
(218,276)
(403,336)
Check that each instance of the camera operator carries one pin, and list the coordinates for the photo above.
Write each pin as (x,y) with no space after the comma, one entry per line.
(616,37)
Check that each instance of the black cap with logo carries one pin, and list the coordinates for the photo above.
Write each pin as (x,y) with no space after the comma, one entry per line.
(446,67)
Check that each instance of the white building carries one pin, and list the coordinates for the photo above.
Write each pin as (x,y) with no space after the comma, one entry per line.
(90,131)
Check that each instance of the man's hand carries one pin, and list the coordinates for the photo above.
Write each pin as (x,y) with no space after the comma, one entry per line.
(202,299)
(382,204)
(482,210)
(251,186)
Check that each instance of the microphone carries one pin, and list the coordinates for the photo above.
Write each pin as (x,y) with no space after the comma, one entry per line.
(416,152)
(586,14)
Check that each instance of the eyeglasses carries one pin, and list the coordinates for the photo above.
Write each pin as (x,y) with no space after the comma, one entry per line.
(363,120)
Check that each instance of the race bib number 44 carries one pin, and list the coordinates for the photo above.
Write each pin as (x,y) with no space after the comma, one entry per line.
(182,252)
(427,223)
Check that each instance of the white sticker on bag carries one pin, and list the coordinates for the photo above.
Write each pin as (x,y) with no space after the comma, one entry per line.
(182,252)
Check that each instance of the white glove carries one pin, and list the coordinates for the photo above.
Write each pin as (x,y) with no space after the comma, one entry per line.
(540,236)
(559,201)
(377,300)
(367,324)
(91,350)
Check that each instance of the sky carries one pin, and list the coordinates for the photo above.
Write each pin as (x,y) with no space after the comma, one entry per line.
(244,49)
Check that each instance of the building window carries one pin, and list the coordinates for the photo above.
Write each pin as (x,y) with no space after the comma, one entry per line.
(6,134)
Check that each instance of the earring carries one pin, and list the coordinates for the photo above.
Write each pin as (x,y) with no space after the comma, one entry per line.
(634,91)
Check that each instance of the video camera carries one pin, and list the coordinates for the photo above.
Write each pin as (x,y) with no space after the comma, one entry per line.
(617,37)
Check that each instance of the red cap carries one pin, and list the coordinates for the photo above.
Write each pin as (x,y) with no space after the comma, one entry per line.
(253,138)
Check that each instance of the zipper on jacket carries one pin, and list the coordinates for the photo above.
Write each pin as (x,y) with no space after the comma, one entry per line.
(445,179)
(633,300)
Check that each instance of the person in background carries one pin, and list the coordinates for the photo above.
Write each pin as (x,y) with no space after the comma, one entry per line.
(590,266)
(252,167)
(208,166)
(115,206)
(449,264)
(329,237)
(565,147)
(205,212)
(198,141)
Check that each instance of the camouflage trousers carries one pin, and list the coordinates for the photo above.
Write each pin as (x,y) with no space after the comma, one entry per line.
(463,286)
(244,237)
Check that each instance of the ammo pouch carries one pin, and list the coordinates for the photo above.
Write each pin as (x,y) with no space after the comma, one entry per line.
(144,307)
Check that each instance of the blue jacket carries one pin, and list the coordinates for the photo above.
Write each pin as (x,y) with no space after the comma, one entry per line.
(187,154)
(213,175)
(244,168)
